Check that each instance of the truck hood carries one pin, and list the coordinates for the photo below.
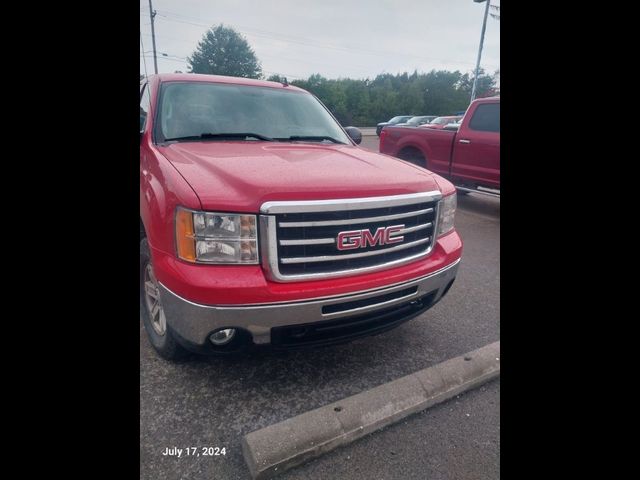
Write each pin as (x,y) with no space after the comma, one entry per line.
(240,176)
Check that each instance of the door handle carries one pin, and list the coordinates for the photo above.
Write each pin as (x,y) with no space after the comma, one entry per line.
(462,140)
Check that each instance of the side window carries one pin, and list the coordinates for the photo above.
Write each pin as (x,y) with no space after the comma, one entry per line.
(486,118)
(145,104)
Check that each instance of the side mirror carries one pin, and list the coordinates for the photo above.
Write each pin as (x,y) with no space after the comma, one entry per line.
(355,134)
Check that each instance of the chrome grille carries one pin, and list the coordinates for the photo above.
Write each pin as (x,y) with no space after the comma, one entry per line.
(301,237)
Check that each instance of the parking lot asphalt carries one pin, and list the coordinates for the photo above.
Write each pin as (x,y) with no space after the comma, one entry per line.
(213,402)
(370,141)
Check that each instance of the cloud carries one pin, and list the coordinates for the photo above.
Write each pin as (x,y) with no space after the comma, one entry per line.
(354,39)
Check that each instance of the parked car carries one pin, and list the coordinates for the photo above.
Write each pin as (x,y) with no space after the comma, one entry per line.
(468,157)
(441,122)
(417,121)
(263,223)
(453,126)
(393,121)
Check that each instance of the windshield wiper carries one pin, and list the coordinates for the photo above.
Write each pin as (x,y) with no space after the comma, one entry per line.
(221,136)
(312,138)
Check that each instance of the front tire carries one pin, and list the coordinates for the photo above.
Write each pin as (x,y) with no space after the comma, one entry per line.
(153,315)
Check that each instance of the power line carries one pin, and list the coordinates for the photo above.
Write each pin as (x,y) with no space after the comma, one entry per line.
(288,75)
(144,60)
(164,54)
(178,57)
(152,14)
(166,58)
(285,38)
(266,55)
(307,42)
(167,37)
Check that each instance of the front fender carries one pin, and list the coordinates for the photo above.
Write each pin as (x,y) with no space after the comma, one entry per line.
(162,190)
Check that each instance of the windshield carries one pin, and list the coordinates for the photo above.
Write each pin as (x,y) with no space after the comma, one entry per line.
(399,119)
(441,121)
(418,120)
(193,109)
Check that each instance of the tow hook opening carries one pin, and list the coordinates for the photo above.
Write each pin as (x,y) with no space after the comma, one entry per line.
(299,332)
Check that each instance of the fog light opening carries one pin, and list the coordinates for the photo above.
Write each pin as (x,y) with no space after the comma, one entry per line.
(222,337)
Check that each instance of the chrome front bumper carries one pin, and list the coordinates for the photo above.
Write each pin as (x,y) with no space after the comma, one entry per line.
(194,322)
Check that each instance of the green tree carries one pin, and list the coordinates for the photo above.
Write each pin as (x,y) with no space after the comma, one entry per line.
(223,51)
(484,87)
(442,93)
(367,102)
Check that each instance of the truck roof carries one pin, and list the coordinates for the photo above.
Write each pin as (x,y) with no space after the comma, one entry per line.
(487,99)
(196,77)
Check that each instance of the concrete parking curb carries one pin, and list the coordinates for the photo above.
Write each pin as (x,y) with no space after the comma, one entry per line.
(277,448)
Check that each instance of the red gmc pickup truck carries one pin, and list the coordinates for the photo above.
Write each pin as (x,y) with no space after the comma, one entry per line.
(262,222)
(469,157)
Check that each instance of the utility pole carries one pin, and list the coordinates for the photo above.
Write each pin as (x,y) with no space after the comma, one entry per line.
(484,26)
(152,13)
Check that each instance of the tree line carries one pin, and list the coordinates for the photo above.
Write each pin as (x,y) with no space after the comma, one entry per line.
(367,102)
(362,102)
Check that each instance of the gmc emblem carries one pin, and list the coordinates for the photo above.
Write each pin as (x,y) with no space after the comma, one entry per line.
(362,238)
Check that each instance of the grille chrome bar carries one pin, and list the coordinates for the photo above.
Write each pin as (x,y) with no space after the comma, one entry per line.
(372,306)
(351,221)
(311,241)
(328,258)
(315,246)
(347,204)
(328,241)
(414,229)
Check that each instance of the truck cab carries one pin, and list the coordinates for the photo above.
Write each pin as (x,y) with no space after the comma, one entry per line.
(468,156)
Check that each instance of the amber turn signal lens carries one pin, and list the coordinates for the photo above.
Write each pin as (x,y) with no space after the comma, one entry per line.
(185,235)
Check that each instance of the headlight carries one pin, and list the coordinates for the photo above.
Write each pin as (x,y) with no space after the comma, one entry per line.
(205,237)
(447,212)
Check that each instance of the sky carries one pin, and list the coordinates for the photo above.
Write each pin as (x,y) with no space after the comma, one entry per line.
(338,39)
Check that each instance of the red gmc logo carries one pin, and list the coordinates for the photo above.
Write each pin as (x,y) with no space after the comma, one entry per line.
(362,238)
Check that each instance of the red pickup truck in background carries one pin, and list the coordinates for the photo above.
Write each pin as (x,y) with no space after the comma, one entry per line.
(262,221)
(468,157)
